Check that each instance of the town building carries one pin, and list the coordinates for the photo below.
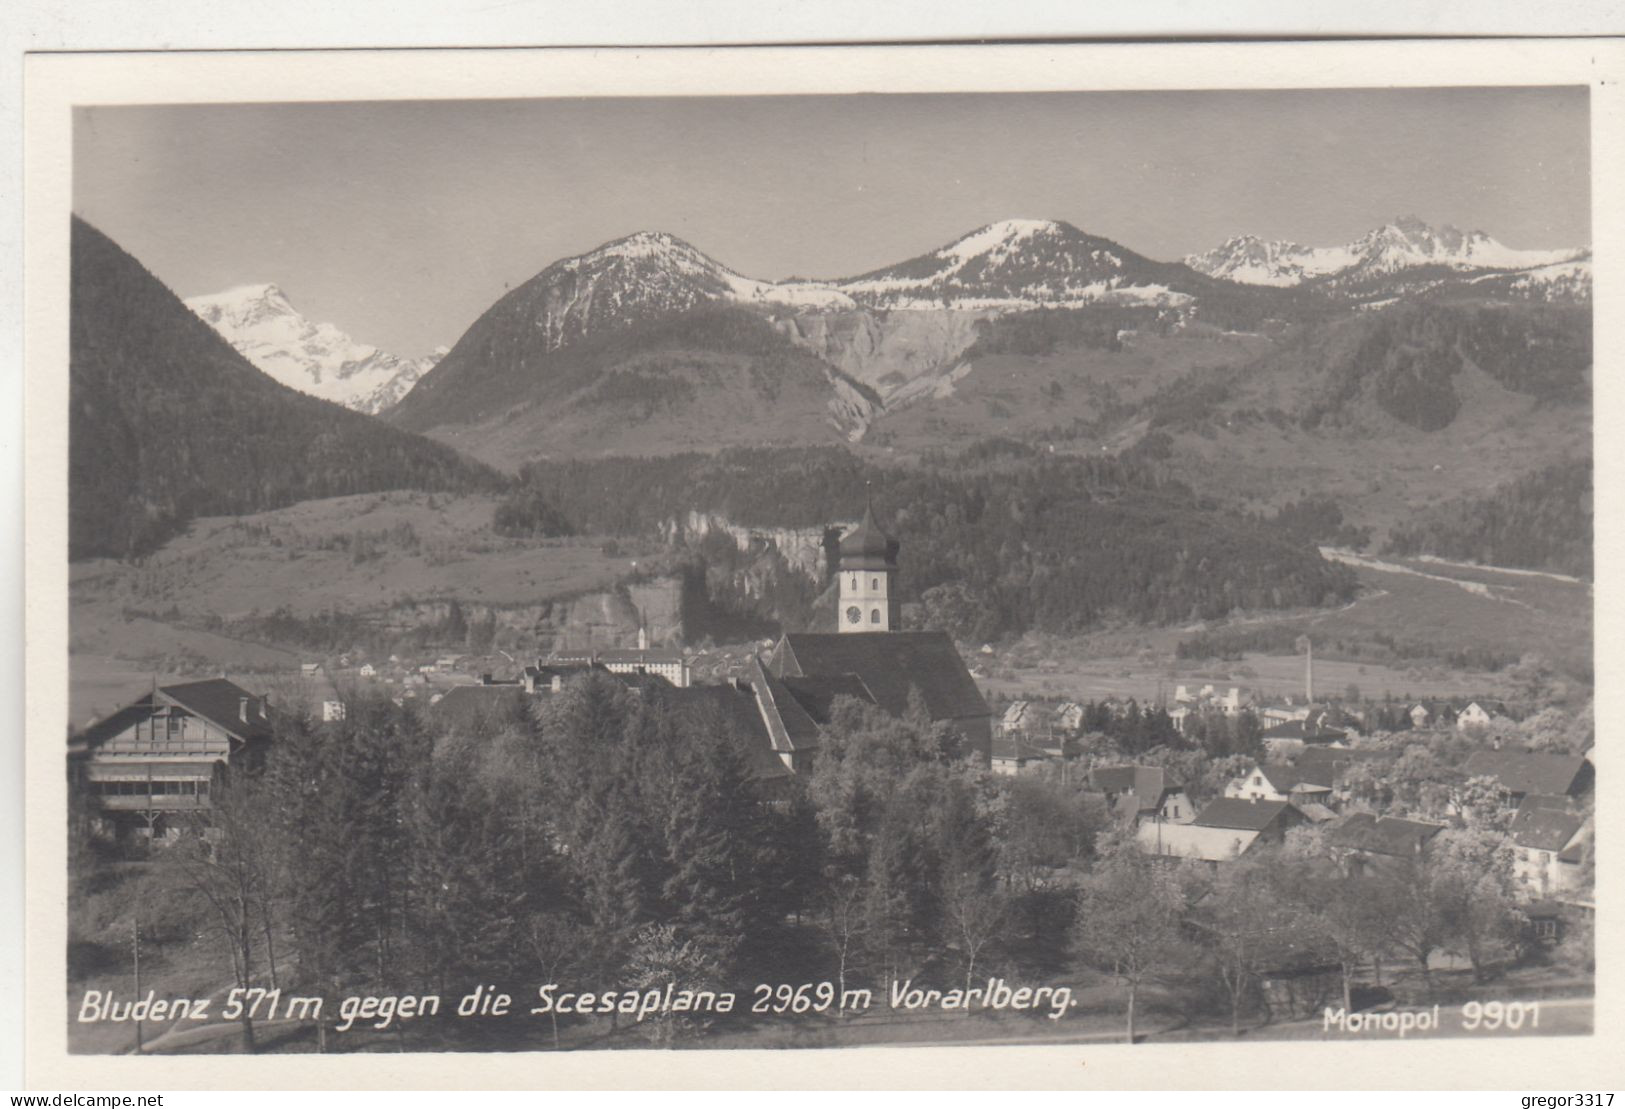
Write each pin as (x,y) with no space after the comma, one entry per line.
(1069,718)
(1017,717)
(870,653)
(153,761)
(1143,793)
(663,662)
(1520,774)
(1479,714)
(1281,782)
(1367,844)
(1548,847)
(1269,819)
(1012,756)
(867,599)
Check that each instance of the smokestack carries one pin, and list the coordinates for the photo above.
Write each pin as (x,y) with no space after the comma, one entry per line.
(1308,671)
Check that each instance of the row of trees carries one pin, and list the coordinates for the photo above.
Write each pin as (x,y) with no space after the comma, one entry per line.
(1293,913)
(601,836)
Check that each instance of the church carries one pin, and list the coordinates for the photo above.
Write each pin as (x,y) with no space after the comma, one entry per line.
(870,657)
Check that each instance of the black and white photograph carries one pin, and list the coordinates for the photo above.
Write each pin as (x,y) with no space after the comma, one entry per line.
(569,574)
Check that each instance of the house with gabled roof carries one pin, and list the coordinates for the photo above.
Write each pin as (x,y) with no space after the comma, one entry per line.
(1279,781)
(1270,819)
(152,761)
(1521,773)
(1016,717)
(1069,717)
(1365,843)
(1194,841)
(1143,792)
(1224,830)
(1010,755)
(1548,847)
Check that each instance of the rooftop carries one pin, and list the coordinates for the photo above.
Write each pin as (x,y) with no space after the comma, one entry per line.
(888,664)
(1545,829)
(1529,771)
(1387,835)
(1236,813)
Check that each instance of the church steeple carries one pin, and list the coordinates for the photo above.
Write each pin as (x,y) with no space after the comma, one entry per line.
(868,577)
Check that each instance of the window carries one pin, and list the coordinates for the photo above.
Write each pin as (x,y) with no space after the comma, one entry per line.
(874,616)
(874,583)
(854,583)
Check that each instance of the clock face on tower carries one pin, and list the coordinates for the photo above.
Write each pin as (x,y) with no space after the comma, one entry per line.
(854,614)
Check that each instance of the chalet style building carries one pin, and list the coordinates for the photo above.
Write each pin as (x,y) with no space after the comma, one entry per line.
(153,760)
(869,658)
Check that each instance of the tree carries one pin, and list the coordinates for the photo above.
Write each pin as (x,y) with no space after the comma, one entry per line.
(1470,873)
(340,794)
(1343,912)
(1249,928)
(225,864)
(711,842)
(842,919)
(1044,825)
(1415,920)
(464,851)
(661,956)
(555,941)
(1481,803)
(1128,924)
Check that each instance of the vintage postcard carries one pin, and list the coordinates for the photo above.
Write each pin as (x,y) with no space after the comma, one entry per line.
(1049,565)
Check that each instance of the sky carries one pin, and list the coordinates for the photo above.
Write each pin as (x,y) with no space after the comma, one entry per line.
(401,222)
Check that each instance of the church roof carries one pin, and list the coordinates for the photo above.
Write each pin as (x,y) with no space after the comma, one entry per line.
(888,664)
(867,547)
(817,693)
(735,713)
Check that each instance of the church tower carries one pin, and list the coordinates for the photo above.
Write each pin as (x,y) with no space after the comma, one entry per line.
(868,579)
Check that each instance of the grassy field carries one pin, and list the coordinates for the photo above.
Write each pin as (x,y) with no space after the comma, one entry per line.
(130,621)
(1437,607)
(352,552)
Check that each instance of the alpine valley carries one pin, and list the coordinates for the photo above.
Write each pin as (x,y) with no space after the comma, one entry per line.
(1068,436)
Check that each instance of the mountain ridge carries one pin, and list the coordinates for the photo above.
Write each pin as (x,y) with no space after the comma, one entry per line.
(168,422)
(1405,243)
(318,359)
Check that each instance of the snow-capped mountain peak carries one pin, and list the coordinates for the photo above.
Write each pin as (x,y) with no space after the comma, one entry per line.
(999,239)
(1015,264)
(1405,243)
(316,358)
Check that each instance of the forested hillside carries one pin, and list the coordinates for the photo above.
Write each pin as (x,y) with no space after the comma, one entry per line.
(997,540)
(1540,522)
(1408,360)
(168,422)
(716,375)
